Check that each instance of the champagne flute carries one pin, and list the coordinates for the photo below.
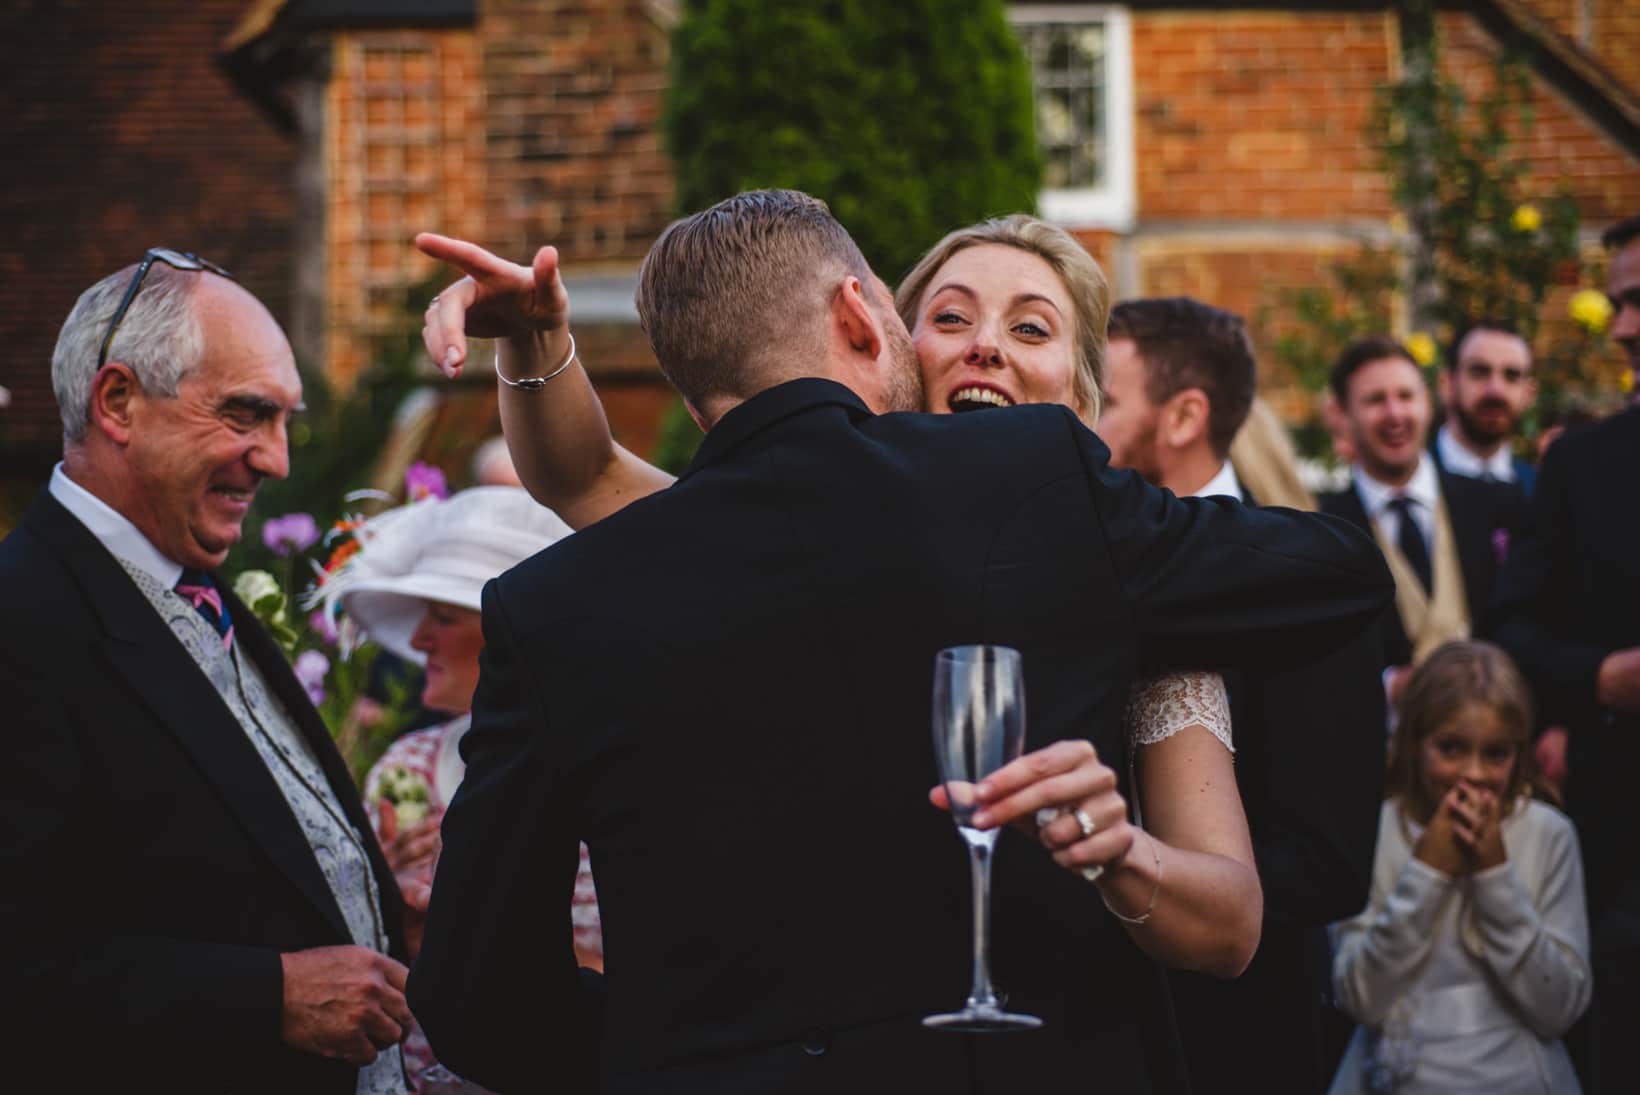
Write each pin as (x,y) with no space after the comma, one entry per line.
(979,726)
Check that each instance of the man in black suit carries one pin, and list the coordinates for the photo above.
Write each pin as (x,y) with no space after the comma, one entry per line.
(1180,378)
(1443,535)
(1568,609)
(193,899)
(724,689)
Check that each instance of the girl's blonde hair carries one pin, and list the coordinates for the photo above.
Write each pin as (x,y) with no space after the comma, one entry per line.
(1453,677)
(1084,281)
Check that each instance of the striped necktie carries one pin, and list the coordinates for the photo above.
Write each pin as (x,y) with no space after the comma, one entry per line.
(196,587)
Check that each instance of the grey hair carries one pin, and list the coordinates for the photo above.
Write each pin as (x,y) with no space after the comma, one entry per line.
(160,339)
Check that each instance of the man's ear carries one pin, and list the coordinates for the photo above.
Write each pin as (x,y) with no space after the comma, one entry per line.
(114,395)
(1184,418)
(852,316)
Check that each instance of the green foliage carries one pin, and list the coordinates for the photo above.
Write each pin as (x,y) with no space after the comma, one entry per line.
(1483,250)
(908,118)
(679,439)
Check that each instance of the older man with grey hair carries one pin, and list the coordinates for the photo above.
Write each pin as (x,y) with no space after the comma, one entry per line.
(193,895)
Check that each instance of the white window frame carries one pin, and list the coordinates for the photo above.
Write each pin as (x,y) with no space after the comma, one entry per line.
(1112,205)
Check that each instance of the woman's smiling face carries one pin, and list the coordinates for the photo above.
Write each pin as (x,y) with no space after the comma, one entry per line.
(995,328)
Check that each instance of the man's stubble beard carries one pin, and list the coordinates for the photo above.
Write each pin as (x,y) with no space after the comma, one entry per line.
(1480,434)
(903,383)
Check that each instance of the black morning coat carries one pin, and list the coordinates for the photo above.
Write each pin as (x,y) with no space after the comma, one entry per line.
(151,871)
(724,689)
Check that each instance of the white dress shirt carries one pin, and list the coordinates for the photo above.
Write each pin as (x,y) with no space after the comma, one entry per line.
(1458,460)
(1225,483)
(113,529)
(1423,490)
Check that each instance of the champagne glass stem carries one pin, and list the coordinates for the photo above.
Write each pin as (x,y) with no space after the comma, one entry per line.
(979,861)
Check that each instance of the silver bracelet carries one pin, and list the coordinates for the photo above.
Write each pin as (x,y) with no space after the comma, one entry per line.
(534,383)
(1144,916)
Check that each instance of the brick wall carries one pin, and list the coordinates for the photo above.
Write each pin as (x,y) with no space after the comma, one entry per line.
(575,90)
(404,152)
(121,134)
(1257,115)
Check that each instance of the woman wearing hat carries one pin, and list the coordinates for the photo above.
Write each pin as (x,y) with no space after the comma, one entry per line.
(414,588)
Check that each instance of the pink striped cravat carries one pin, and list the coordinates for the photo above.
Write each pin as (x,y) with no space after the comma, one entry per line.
(196,587)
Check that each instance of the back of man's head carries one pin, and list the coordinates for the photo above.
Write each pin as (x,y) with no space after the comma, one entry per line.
(159,338)
(734,298)
(1187,344)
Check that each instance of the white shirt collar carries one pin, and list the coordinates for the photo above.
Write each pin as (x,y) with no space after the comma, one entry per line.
(1225,482)
(1422,488)
(1458,460)
(113,529)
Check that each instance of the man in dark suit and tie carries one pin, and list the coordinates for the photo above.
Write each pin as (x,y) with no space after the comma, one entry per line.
(1568,609)
(1180,377)
(193,898)
(724,689)
(1444,536)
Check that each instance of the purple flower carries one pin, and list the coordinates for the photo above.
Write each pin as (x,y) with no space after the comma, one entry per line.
(425,481)
(291,533)
(310,668)
(1500,544)
(324,627)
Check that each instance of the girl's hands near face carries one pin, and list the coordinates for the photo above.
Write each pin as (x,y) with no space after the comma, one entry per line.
(1476,825)
(1439,847)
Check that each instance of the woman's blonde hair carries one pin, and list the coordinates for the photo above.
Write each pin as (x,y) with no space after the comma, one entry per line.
(1083,279)
(1455,676)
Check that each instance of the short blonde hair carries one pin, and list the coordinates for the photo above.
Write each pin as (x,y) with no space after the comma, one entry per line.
(1084,281)
(730,296)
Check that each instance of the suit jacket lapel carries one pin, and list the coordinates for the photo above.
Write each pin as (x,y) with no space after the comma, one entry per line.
(139,647)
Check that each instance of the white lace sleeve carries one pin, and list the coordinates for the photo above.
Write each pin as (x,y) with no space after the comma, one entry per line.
(1159,707)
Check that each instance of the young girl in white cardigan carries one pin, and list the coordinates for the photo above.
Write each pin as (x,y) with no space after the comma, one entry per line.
(1472,957)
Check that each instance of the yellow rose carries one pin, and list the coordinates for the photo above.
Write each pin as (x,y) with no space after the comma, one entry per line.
(1398,224)
(1526,219)
(1591,310)
(1626,382)
(1421,347)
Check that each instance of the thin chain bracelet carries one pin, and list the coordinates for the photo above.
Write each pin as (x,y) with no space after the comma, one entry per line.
(535,383)
(1144,916)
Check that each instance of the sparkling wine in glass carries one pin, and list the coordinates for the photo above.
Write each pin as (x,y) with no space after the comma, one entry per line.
(979,725)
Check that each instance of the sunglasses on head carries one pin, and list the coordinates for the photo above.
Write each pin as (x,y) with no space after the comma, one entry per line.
(178,260)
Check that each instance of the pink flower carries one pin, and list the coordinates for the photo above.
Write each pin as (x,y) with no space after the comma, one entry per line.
(311,668)
(425,481)
(1500,544)
(291,533)
(323,626)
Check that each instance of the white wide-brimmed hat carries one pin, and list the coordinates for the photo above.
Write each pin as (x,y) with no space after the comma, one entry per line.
(436,550)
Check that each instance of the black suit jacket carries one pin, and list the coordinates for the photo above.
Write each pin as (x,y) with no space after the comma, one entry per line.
(724,689)
(153,870)
(1310,768)
(1483,515)
(1569,596)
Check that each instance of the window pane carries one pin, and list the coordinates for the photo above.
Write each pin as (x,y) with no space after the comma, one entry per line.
(1068,67)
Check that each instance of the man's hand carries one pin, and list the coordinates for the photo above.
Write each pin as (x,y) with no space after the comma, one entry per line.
(1550,754)
(1618,684)
(497,299)
(343,1002)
